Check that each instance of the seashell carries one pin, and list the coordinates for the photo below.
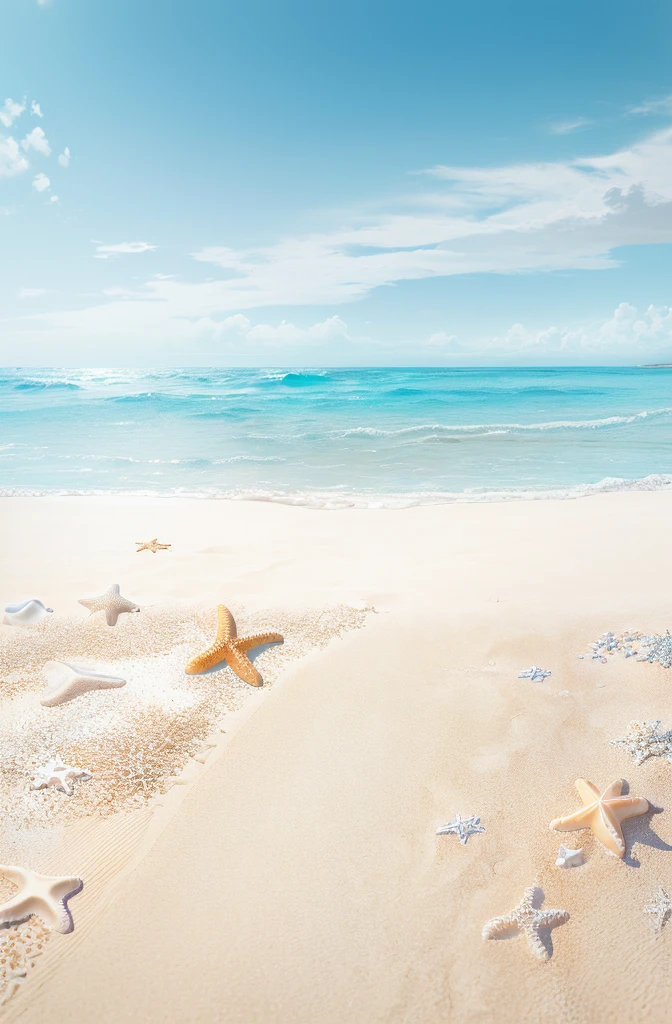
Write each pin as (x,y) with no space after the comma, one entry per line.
(569,858)
(28,613)
(68,681)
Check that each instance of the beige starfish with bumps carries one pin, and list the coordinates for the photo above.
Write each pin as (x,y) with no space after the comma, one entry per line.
(44,895)
(111,602)
(151,545)
(527,920)
(230,647)
(603,814)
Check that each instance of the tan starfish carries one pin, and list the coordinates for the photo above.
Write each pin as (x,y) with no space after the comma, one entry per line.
(603,814)
(43,895)
(111,602)
(526,919)
(151,545)
(230,647)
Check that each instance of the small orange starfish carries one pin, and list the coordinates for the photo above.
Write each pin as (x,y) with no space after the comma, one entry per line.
(151,545)
(230,647)
(603,814)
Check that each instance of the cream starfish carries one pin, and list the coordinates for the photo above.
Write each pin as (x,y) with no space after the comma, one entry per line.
(230,647)
(603,814)
(43,895)
(111,602)
(151,545)
(526,919)
(66,681)
(57,774)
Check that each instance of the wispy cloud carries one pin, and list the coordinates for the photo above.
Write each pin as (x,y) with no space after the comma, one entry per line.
(515,218)
(36,110)
(31,293)
(64,158)
(103,252)
(662,105)
(574,124)
(10,111)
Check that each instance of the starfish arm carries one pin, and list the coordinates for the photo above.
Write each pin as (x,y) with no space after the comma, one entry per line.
(208,659)
(65,887)
(226,624)
(536,945)
(629,806)
(246,643)
(553,918)
(587,791)
(14,910)
(499,927)
(243,667)
(582,818)
(111,616)
(15,875)
(614,790)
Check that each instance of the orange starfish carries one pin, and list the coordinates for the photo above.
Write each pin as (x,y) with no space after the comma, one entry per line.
(151,545)
(603,814)
(230,647)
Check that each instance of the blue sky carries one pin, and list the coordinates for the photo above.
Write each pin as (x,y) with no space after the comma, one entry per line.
(327,183)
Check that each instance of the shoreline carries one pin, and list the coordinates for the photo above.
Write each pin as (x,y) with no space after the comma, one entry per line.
(334,501)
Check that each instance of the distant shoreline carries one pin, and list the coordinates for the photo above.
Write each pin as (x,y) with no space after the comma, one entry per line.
(655,366)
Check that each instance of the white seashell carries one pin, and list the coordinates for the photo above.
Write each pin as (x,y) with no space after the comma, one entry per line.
(68,681)
(569,858)
(28,613)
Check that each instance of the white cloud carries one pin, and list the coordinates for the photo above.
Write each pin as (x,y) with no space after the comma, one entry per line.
(442,341)
(570,125)
(53,199)
(10,112)
(626,334)
(238,327)
(103,252)
(31,293)
(518,218)
(37,140)
(41,182)
(36,110)
(12,160)
(64,158)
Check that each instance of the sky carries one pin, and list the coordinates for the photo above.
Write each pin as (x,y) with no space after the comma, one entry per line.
(335,182)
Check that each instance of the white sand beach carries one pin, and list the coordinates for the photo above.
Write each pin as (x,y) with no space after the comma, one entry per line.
(295,875)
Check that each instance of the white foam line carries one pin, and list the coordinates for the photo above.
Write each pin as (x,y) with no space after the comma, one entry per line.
(342,500)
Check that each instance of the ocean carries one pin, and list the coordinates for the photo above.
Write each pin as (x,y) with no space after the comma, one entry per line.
(335,438)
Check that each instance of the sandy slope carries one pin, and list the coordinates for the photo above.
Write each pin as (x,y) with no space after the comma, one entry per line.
(300,879)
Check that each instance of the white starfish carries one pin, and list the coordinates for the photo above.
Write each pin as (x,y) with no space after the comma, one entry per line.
(43,895)
(644,739)
(660,908)
(462,827)
(68,681)
(528,920)
(569,858)
(57,774)
(111,602)
(534,673)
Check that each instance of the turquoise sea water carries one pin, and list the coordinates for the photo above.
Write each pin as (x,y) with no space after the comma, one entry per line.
(336,437)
